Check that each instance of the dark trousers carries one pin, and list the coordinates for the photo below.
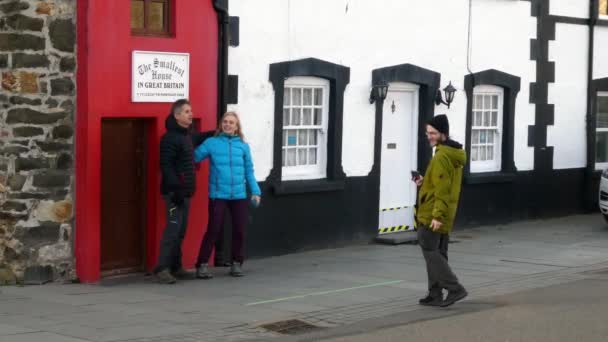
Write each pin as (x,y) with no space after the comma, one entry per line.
(170,256)
(435,251)
(238,212)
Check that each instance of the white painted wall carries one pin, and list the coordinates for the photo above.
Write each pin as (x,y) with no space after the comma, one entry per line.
(569,95)
(600,60)
(570,8)
(365,35)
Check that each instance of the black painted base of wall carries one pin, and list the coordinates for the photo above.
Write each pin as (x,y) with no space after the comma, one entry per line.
(291,223)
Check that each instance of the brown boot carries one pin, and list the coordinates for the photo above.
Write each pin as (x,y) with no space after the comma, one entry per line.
(165,277)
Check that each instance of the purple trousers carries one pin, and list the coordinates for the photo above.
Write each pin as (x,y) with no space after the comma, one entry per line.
(238,211)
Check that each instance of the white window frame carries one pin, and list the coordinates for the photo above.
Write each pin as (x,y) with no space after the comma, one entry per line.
(318,171)
(494,165)
(604,165)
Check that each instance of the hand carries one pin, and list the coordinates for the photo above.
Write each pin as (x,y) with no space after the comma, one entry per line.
(418,180)
(178,197)
(436,225)
(256,200)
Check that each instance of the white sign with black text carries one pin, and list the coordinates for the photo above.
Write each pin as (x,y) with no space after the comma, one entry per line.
(160,76)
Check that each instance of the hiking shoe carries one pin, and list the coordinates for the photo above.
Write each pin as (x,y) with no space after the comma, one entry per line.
(453,297)
(431,300)
(202,272)
(235,270)
(165,277)
(183,274)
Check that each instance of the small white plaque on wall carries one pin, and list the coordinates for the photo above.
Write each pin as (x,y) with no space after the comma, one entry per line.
(160,76)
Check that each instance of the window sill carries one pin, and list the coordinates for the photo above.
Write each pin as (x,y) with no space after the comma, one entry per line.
(489,177)
(307,186)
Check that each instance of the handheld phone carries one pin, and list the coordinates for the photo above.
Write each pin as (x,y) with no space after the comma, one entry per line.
(415,174)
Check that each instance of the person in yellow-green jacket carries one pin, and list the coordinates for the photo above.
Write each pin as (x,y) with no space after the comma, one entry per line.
(439,191)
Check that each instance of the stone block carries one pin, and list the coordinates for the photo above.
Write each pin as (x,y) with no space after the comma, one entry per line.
(51,103)
(13,150)
(22,22)
(30,116)
(3,61)
(63,34)
(63,132)
(28,164)
(64,162)
(20,100)
(28,82)
(52,179)
(67,105)
(62,86)
(13,206)
(30,195)
(16,182)
(27,131)
(51,211)
(45,8)
(67,64)
(53,147)
(21,41)
(14,6)
(9,81)
(38,275)
(46,233)
(24,60)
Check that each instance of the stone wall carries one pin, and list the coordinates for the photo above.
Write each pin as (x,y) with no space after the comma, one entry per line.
(37,98)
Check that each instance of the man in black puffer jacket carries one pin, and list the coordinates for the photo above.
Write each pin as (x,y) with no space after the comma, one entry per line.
(177,187)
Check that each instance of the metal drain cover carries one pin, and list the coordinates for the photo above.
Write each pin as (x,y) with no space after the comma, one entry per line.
(290,327)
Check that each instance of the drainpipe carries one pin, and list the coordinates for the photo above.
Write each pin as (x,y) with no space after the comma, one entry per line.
(221,7)
(590,199)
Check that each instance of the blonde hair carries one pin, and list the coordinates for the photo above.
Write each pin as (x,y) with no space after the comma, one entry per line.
(239,129)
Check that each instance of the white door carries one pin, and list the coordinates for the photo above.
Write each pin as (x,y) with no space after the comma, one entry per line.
(399,158)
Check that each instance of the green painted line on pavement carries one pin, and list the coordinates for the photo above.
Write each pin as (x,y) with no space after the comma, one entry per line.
(325,292)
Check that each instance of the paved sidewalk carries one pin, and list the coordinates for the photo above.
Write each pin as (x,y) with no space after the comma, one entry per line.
(329,288)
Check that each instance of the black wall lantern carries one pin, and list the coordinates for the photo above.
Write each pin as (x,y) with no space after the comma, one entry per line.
(378,93)
(449,95)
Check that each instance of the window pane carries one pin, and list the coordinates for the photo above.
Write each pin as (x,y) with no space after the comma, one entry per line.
(482,155)
(312,137)
(285,117)
(284,138)
(487,101)
(490,137)
(478,102)
(297,96)
(482,137)
(602,112)
(477,121)
(292,138)
(156,16)
(291,157)
(475,137)
(490,153)
(302,137)
(302,154)
(318,116)
(486,119)
(295,116)
(474,154)
(287,97)
(284,160)
(603,7)
(318,96)
(308,97)
(312,156)
(494,101)
(601,146)
(137,14)
(494,119)
(307,118)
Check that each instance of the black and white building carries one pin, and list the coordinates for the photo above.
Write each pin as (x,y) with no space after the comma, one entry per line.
(531,109)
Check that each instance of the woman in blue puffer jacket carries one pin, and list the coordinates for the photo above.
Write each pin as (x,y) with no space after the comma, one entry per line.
(231,172)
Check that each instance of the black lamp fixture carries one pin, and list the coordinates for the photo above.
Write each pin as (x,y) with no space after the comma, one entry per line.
(449,95)
(378,93)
